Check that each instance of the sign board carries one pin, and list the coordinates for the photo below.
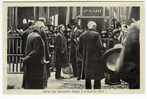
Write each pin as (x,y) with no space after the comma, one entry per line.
(92,11)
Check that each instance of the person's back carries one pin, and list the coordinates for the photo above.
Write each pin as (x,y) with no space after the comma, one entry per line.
(91,44)
(30,39)
(90,50)
(35,73)
(60,48)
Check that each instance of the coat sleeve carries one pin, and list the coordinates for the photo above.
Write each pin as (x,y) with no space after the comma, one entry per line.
(80,47)
(58,43)
(99,44)
(36,45)
(44,37)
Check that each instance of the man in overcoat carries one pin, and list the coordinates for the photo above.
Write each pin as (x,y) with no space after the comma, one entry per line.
(35,71)
(90,47)
(61,51)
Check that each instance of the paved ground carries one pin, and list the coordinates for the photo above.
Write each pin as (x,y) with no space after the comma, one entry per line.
(14,81)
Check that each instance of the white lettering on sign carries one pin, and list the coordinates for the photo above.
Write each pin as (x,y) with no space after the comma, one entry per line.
(92,11)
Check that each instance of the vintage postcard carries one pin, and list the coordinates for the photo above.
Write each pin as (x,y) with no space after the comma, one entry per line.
(73,46)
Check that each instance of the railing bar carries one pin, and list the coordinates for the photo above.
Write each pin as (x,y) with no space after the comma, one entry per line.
(15,54)
(13,37)
(18,67)
(17,63)
(12,65)
(20,45)
(9,45)
(21,67)
(17,46)
(13,46)
(9,65)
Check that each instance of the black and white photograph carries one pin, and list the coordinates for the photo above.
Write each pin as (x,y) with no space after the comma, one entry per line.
(73,47)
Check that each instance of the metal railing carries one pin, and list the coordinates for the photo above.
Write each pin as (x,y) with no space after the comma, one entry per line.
(14,51)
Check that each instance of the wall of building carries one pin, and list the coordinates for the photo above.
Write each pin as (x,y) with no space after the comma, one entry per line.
(64,15)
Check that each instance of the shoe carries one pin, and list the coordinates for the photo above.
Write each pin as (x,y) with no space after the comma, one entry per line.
(78,78)
(60,78)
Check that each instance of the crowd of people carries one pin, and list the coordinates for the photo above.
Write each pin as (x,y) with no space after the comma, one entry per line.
(78,49)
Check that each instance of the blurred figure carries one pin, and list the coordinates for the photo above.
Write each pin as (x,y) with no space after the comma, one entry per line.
(123,34)
(73,51)
(42,19)
(90,47)
(116,33)
(24,24)
(44,31)
(35,70)
(61,49)
(25,34)
(129,63)
(78,32)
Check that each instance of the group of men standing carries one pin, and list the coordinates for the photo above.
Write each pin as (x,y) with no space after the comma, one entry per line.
(36,59)
(88,51)
(85,57)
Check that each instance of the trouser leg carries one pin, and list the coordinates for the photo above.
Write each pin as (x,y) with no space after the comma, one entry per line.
(97,84)
(34,84)
(88,84)
(134,85)
(74,69)
(58,71)
(79,67)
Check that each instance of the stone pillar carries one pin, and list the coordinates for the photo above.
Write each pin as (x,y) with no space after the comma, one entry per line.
(74,12)
(67,15)
(48,13)
(15,16)
(10,16)
(40,11)
(34,11)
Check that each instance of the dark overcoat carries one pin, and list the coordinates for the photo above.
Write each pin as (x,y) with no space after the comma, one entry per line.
(129,64)
(61,49)
(90,47)
(24,38)
(73,52)
(35,74)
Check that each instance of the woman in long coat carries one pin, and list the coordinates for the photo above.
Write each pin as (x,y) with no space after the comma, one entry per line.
(90,49)
(35,72)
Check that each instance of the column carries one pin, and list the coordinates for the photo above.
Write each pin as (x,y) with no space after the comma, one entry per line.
(34,10)
(10,16)
(56,20)
(74,12)
(67,15)
(16,14)
(40,11)
(81,11)
(48,13)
